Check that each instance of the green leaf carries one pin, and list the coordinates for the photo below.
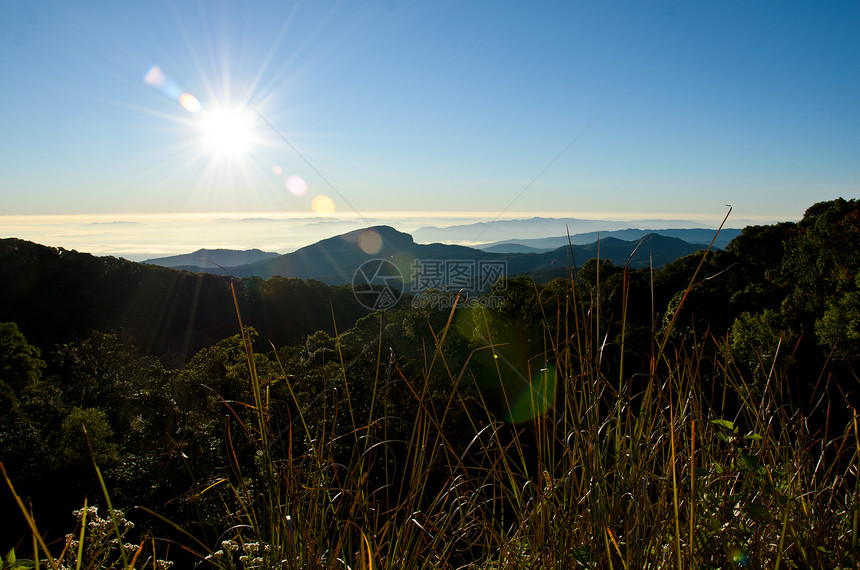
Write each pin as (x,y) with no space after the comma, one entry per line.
(753,435)
(725,424)
(11,562)
(759,512)
(582,555)
(749,462)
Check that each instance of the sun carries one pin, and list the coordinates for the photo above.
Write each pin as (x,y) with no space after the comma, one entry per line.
(228,132)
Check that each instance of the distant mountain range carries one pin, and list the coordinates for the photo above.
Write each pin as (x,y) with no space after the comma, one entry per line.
(700,236)
(213,260)
(335,260)
(533,228)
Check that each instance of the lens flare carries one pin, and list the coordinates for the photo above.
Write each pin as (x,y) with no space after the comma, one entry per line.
(189,102)
(297,186)
(739,557)
(370,242)
(536,399)
(323,205)
(277,170)
(155,77)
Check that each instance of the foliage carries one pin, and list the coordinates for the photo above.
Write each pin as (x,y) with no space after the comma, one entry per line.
(696,416)
(76,448)
(839,325)
(21,364)
(59,296)
(11,562)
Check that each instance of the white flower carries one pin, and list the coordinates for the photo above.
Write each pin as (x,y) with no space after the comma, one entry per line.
(229,545)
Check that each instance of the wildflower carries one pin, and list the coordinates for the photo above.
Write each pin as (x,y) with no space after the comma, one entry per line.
(229,545)
(215,555)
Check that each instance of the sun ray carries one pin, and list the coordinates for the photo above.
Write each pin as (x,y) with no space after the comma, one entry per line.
(254,85)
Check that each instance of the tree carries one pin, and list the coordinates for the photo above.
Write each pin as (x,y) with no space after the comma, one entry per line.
(104,371)
(21,364)
(73,448)
(822,261)
(839,326)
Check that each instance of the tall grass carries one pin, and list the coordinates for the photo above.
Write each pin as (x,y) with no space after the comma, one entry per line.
(638,471)
(609,469)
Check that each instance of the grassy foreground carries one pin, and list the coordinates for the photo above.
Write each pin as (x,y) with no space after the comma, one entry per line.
(694,463)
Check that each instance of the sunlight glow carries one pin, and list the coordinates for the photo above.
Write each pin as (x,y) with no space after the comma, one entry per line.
(228,132)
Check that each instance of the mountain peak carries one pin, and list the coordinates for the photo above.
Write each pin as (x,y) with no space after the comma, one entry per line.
(202,258)
(384,232)
(371,240)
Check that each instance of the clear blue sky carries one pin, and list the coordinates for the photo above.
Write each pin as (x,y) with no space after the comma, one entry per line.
(452,106)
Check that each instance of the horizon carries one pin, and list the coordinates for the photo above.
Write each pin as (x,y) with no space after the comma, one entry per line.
(162,115)
(138,237)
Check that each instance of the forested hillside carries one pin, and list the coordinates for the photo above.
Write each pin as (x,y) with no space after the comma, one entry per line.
(770,325)
(57,296)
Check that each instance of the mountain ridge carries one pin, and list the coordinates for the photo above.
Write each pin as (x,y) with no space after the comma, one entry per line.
(695,236)
(534,228)
(205,257)
(335,260)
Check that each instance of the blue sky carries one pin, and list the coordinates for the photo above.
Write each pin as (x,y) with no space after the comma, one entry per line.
(676,109)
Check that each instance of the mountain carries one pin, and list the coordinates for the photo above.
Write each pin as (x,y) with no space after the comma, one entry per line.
(532,228)
(206,258)
(650,249)
(335,260)
(699,236)
(513,247)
